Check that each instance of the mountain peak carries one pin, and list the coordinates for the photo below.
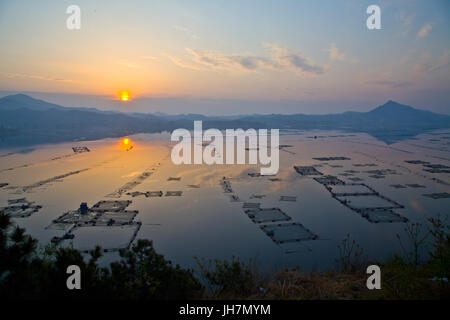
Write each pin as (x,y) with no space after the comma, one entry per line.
(18,97)
(391,108)
(20,100)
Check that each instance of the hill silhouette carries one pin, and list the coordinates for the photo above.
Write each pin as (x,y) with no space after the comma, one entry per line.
(27,121)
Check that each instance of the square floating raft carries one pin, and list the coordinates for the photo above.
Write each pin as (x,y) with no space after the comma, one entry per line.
(152,194)
(351,189)
(267,215)
(443,195)
(174,193)
(361,202)
(329,180)
(398,186)
(80,149)
(415,185)
(111,205)
(382,215)
(307,171)
(288,232)
(234,198)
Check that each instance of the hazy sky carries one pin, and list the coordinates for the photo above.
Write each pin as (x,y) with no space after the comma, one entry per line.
(224,57)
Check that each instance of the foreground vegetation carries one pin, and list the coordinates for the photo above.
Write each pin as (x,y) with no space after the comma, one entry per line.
(141,273)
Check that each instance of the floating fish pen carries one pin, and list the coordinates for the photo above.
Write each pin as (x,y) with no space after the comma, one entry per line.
(365,165)
(267,215)
(257,196)
(377,201)
(254,174)
(382,172)
(20,208)
(137,226)
(329,180)
(377,176)
(288,232)
(382,216)
(104,213)
(288,198)
(436,166)
(363,199)
(351,189)
(193,186)
(442,195)
(437,170)
(153,194)
(416,162)
(226,185)
(174,179)
(331,158)
(234,198)
(307,171)
(147,194)
(136,194)
(16,201)
(398,186)
(115,218)
(111,205)
(132,184)
(174,193)
(251,205)
(415,185)
(80,149)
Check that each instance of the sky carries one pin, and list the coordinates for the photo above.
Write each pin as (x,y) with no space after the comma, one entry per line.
(228,57)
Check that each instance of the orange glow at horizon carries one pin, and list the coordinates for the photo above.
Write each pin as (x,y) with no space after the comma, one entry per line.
(126,144)
(124,95)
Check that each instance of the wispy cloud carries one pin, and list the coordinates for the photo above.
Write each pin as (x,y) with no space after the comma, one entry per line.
(280,58)
(35,77)
(149,58)
(294,60)
(427,66)
(185,65)
(424,31)
(406,22)
(336,54)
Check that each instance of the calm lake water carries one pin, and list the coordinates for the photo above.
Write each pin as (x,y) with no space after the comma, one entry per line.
(204,222)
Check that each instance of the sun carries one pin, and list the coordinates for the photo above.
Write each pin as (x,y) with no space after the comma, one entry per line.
(124,95)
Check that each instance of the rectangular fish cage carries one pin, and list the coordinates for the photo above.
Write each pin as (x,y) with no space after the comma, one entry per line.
(288,232)
(267,215)
(382,216)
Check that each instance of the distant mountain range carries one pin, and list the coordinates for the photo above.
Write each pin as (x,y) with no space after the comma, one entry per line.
(27,121)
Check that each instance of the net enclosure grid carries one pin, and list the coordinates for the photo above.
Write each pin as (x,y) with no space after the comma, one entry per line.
(288,232)
(267,215)
(382,216)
